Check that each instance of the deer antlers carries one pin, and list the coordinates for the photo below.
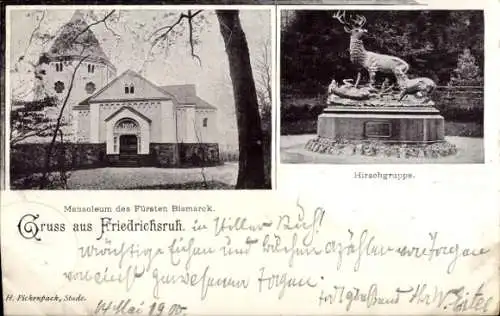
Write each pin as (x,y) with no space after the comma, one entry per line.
(340,15)
(357,22)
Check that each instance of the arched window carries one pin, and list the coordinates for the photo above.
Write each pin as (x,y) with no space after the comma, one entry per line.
(59,86)
(88,67)
(129,88)
(59,67)
(205,122)
(93,68)
(90,87)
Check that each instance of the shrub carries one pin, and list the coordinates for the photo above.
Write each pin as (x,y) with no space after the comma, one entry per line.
(467,72)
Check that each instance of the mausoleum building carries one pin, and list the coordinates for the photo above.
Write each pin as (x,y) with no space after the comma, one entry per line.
(125,119)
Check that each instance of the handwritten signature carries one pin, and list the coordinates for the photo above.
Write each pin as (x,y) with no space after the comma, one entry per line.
(458,300)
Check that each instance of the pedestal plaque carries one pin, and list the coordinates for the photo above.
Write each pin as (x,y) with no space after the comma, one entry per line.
(387,124)
(378,129)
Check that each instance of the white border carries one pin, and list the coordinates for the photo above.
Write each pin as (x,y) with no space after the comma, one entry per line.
(274,101)
(7,100)
(435,172)
(9,8)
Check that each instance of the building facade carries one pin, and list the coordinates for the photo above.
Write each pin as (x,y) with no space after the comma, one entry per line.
(124,119)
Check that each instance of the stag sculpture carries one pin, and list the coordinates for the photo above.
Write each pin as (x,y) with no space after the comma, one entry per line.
(370,61)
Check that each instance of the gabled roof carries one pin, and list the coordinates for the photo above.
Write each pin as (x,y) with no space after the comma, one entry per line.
(71,37)
(182,94)
(202,104)
(123,108)
(159,93)
(186,94)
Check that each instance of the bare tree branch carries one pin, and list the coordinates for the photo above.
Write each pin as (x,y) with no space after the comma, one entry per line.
(221,23)
(264,76)
(169,28)
(36,29)
(111,30)
(103,20)
(191,43)
(16,139)
(196,13)
(198,138)
(43,180)
(23,57)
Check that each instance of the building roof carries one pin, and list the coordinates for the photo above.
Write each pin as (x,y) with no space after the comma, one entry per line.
(183,94)
(73,36)
(186,94)
(202,104)
(124,108)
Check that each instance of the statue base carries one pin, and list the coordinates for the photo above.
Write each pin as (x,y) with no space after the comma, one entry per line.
(418,125)
(380,149)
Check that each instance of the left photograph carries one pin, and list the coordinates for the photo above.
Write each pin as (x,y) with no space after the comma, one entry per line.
(139,99)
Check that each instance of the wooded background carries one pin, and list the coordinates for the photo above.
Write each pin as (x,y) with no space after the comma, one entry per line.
(315,47)
(446,46)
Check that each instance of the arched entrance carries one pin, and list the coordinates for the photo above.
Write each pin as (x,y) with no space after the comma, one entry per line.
(127,137)
(128,144)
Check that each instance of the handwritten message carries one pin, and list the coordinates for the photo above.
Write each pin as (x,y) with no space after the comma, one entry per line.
(192,252)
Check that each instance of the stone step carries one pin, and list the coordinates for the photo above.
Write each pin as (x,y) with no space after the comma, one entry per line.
(127,160)
(129,163)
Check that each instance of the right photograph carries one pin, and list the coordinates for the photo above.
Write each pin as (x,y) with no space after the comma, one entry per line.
(373,86)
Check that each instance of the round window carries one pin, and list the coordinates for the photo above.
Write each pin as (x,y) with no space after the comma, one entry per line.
(90,87)
(59,86)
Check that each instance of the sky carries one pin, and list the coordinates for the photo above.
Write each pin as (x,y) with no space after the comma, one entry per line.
(127,43)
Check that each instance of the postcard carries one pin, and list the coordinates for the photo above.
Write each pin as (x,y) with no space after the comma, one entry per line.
(251,158)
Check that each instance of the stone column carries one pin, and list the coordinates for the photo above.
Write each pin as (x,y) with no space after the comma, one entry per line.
(76,118)
(190,121)
(94,123)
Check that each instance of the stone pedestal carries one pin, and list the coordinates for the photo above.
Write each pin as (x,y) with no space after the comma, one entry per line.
(384,124)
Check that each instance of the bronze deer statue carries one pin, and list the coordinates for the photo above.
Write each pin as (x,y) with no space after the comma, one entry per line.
(371,61)
(422,85)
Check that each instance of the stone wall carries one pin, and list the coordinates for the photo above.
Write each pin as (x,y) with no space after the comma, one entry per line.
(30,158)
(184,154)
(136,161)
(199,154)
(164,155)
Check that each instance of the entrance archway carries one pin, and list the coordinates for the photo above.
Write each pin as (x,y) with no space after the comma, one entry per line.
(127,121)
(128,144)
(127,137)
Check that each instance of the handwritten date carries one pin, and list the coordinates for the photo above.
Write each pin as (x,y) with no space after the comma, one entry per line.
(127,307)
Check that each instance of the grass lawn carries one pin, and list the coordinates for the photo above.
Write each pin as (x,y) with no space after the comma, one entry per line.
(150,178)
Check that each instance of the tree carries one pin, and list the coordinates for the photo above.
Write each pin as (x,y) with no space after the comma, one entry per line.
(30,119)
(467,72)
(264,76)
(314,47)
(251,160)
(265,97)
(251,174)
(80,40)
